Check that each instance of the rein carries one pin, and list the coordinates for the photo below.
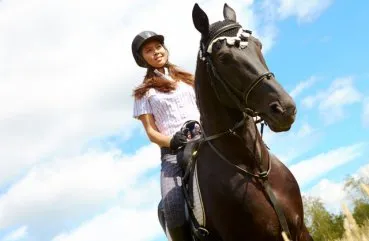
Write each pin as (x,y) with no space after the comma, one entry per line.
(232,131)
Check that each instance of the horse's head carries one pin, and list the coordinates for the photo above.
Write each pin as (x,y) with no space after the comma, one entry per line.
(238,72)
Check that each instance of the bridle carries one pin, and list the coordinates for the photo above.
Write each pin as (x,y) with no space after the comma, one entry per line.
(241,41)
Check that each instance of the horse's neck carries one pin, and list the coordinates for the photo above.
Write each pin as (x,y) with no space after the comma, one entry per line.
(255,144)
(214,117)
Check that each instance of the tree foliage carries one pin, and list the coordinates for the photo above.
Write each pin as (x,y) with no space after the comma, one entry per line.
(324,225)
(361,212)
(354,191)
(359,198)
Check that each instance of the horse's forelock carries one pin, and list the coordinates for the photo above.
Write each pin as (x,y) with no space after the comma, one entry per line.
(214,27)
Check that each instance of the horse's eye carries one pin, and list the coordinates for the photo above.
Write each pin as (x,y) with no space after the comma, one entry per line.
(217,46)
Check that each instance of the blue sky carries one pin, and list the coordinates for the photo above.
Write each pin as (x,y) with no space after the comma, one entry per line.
(75,165)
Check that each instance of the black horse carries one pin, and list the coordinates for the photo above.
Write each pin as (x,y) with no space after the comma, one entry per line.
(236,189)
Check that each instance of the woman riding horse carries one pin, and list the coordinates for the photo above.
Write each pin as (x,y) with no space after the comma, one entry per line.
(164,102)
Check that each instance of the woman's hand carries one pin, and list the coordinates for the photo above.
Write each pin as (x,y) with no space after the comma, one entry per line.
(178,140)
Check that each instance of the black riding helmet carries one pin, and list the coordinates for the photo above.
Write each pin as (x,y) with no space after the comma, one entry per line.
(139,41)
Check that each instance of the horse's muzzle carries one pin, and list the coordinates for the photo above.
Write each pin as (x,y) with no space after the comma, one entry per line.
(280,117)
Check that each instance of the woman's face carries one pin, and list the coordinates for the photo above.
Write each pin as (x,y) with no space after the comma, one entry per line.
(154,54)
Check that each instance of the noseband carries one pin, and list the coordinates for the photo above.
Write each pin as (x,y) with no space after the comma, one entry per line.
(240,41)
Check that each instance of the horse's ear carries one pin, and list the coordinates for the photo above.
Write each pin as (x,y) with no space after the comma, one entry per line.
(229,13)
(200,20)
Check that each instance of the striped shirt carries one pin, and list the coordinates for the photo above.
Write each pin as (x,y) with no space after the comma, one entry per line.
(170,110)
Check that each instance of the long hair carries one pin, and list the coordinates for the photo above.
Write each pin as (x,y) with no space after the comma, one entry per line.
(152,80)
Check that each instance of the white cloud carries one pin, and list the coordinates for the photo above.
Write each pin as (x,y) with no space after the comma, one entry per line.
(305,130)
(311,169)
(304,10)
(309,101)
(135,218)
(303,85)
(30,138)
(72,188)
(18,234)
(117,224)
(64,80)
(341,92)
(331,102)
(365,116)
(142,194)
(330,193)
(362,172)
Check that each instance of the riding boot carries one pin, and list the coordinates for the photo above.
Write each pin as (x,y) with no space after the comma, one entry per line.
(181,233)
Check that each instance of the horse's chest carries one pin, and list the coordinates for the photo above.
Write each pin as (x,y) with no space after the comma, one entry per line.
(240,202)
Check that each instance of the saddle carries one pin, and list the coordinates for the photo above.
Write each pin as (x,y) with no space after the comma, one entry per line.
(187,157)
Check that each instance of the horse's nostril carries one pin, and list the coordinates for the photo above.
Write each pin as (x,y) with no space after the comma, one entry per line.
(276,108)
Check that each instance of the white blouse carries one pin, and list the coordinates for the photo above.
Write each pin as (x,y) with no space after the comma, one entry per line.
(170,110)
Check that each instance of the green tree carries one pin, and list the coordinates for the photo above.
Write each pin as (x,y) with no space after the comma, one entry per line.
(359,198)
(322,225)
(354,191)
(361,212)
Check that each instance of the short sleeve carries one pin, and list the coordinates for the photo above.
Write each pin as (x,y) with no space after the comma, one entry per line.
(141,106)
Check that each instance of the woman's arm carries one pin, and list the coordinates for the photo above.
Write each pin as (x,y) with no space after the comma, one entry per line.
(152,131)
